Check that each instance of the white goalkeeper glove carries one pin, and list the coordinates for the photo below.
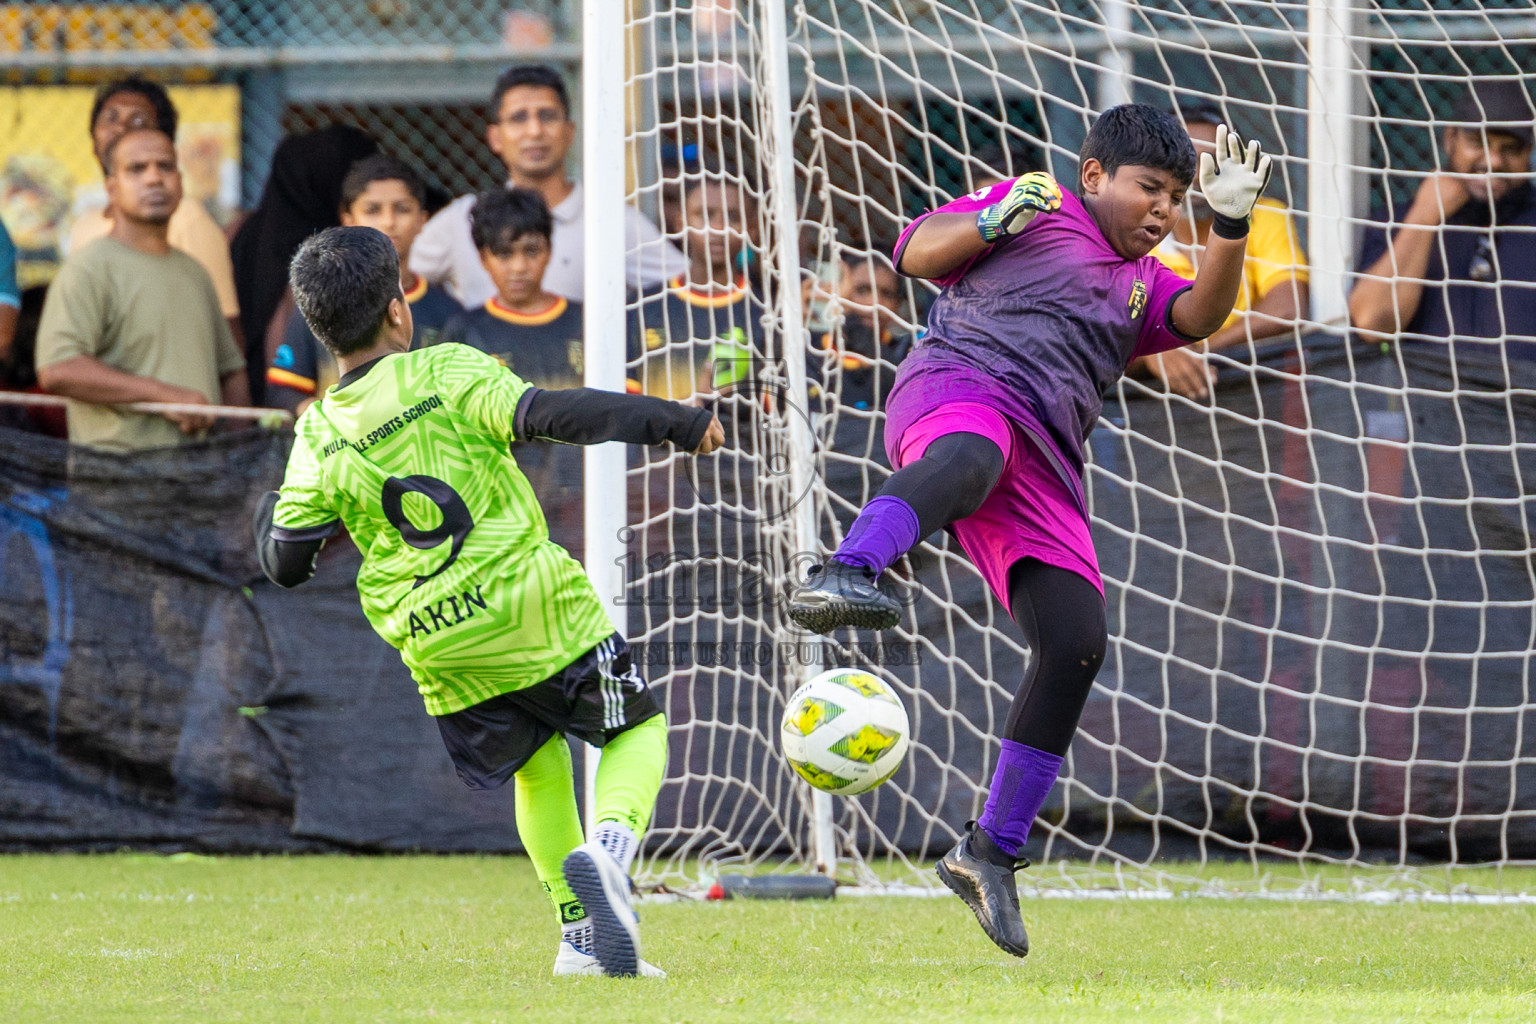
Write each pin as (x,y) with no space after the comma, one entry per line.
(1232,181)
(1031,194)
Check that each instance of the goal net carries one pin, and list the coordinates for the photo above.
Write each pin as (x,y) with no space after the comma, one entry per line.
(1319,578)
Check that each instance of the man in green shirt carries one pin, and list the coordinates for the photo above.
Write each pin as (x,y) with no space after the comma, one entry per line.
(130,319)
(506,638)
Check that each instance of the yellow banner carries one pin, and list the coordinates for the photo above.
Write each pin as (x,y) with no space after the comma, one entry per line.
(49,27)
(49,175)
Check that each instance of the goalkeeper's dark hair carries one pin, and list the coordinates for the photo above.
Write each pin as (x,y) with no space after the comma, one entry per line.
(503,215)
(1140,135)
(343,280)
(381,167)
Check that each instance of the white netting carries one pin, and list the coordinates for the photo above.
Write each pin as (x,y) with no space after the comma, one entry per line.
(1319,580)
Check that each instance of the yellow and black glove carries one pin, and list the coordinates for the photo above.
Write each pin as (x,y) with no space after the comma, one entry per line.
(1031,194)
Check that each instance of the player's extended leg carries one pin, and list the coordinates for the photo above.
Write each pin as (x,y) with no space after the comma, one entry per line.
(950,481)
(634,736)
(550,827)
(624,793)
(1062,616)
(628,779)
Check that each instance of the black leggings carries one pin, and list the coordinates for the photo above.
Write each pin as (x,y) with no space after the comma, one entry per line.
(1062,616)
(1060,613)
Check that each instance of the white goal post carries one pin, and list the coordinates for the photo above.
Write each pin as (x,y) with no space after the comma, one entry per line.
(1320,581)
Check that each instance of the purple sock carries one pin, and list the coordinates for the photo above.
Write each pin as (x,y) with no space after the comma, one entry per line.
(1022,781)
(884,531)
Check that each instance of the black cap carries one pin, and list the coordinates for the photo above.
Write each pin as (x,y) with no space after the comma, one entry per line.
(1497,106)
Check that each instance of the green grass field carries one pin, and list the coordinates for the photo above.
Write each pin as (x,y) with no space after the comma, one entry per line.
(340,939)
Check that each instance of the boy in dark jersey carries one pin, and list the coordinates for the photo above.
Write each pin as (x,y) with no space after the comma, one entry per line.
(695,336)
(534,333)
(505,636)
(378,192)
(856,369)
(1046,298)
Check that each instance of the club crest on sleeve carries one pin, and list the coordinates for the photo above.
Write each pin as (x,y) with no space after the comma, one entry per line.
(1138,300)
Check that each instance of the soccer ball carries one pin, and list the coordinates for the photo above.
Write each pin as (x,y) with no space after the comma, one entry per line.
(845,732)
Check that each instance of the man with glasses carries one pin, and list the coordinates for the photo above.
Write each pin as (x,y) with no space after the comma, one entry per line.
(1461,262)
(531,131)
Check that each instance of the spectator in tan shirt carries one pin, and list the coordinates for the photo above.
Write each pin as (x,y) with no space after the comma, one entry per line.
(131,319)
(136,103)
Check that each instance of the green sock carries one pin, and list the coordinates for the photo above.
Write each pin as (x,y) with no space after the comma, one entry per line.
(547,821)
(629,775)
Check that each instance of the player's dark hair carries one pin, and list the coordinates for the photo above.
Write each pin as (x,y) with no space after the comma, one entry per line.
(1139,135)
(529,74)
(343,280)
(165,110)
(381,167)
(503,215)
(107,154)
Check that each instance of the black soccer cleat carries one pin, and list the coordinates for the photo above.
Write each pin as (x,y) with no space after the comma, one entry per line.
(982,876)
(839,594)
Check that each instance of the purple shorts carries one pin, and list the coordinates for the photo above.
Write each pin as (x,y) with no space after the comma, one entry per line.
(1031,513)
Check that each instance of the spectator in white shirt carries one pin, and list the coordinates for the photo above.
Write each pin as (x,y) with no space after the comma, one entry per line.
(531,133)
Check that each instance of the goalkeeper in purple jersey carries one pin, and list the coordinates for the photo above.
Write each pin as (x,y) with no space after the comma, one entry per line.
(1047,296)
(508,642)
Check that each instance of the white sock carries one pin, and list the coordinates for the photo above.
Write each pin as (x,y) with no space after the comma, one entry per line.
(578,934)
(620,843)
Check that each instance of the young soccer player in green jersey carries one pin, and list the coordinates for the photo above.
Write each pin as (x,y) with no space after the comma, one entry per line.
(505,636)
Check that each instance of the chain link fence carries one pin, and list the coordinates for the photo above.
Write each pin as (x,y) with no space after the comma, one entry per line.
(444,141)
(414,73)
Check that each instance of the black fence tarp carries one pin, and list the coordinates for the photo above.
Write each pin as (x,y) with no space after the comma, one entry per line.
(1321,587)
(154,693)
(1321,601)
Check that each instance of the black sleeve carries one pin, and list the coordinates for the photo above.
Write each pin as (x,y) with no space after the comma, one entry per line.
(590,416)
(287,557)
(1173,328)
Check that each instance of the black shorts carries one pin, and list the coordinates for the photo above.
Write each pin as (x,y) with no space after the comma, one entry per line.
(593,699)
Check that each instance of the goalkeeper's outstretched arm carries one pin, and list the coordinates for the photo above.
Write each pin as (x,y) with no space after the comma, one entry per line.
(1232,182)
(953,236)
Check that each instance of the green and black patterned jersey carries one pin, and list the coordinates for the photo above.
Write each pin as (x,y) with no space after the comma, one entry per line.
(458,569)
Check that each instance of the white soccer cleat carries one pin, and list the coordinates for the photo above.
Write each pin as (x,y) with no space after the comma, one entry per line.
(572,961)
(603,888)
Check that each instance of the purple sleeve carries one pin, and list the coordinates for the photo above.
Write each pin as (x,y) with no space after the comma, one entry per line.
(978,200)
(1158,334)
